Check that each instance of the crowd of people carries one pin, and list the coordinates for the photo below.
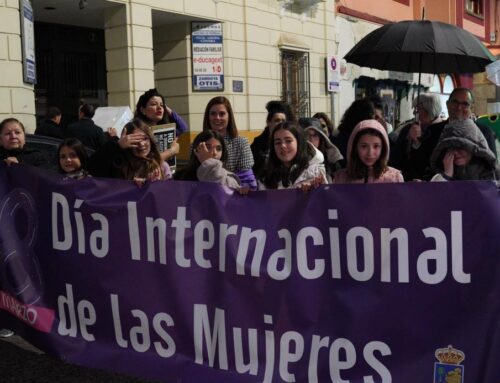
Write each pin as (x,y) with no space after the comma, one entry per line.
(289,153)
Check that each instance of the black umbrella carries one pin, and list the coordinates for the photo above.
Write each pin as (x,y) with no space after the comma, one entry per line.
(421,46)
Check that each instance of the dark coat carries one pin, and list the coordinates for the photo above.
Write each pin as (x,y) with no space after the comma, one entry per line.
(49,128)
(260,152)
(414,163)
(108,161)
(29,156)
(91,135)
(489,135)
(467,136)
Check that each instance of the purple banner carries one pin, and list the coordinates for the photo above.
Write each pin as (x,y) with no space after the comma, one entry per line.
(188,282)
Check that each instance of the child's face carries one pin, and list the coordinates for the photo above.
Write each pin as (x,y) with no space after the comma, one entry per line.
(285,146)
(68,159)
(144,146)
(369,148)
(214,147)
(462,157)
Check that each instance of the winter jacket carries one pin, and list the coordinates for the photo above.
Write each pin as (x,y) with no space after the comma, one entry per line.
(464,134)
(332,155)
(50,129)
(91,135)
(30,156)
(212,170)
(316,168)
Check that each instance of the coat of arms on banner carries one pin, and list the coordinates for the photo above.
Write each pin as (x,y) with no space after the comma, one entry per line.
(449,369)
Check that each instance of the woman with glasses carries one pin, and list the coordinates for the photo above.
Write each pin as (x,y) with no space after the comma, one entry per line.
(316,136)
(412,150)
(326,124)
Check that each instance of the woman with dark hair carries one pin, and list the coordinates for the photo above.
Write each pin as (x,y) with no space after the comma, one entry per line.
(72,159)
(367,156)
(134,156)
(152,109)
(219,117)
(358,111)
(277,112)
(293,162)
(326,124)
(207,160)
(13,149)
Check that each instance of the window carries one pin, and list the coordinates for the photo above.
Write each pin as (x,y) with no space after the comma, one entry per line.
(475,7)
(295,81)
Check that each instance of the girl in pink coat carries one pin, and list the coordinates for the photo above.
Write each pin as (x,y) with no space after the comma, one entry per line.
(367,156)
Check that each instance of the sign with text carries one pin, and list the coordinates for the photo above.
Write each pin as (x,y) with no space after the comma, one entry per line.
(333,74)
(165,136)
(28,42)
(191,282)
(207,56)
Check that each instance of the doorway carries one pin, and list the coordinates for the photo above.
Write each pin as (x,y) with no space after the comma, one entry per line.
(71,69)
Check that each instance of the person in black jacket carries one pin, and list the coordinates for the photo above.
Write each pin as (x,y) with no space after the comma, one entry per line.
(277,112)
(13,149)
(51,126)
(91,135)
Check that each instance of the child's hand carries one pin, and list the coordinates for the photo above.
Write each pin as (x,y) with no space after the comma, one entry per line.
(202,152)
(131,140)
(448,160)
(311,184)
(139,181)
(174,149)
(244,190)
(11,160)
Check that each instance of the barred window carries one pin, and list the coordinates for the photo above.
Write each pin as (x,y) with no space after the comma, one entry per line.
(295,81)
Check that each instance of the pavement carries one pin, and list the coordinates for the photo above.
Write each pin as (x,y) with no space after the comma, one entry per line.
(20,362)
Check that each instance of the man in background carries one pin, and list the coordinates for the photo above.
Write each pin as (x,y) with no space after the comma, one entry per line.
(91,135)
(51,126)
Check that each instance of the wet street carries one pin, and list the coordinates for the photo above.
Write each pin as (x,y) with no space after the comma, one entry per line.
(20,362)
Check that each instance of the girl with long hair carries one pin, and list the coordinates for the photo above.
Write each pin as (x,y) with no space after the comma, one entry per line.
(293,162)
(367,156)
(72,159)
(135,156)
(207,160)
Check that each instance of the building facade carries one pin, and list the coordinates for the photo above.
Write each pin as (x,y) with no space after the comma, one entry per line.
(356,18)
(108,52)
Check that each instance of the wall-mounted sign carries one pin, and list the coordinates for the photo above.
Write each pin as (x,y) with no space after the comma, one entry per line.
(28,41)
(333,74)
(207,56)
(237,86)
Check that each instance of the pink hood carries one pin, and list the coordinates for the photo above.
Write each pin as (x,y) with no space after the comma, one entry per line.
(368,124)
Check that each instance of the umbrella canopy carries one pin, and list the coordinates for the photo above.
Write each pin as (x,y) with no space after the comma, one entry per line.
(421,46)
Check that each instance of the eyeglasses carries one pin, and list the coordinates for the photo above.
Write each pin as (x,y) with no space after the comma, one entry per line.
(464,104)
